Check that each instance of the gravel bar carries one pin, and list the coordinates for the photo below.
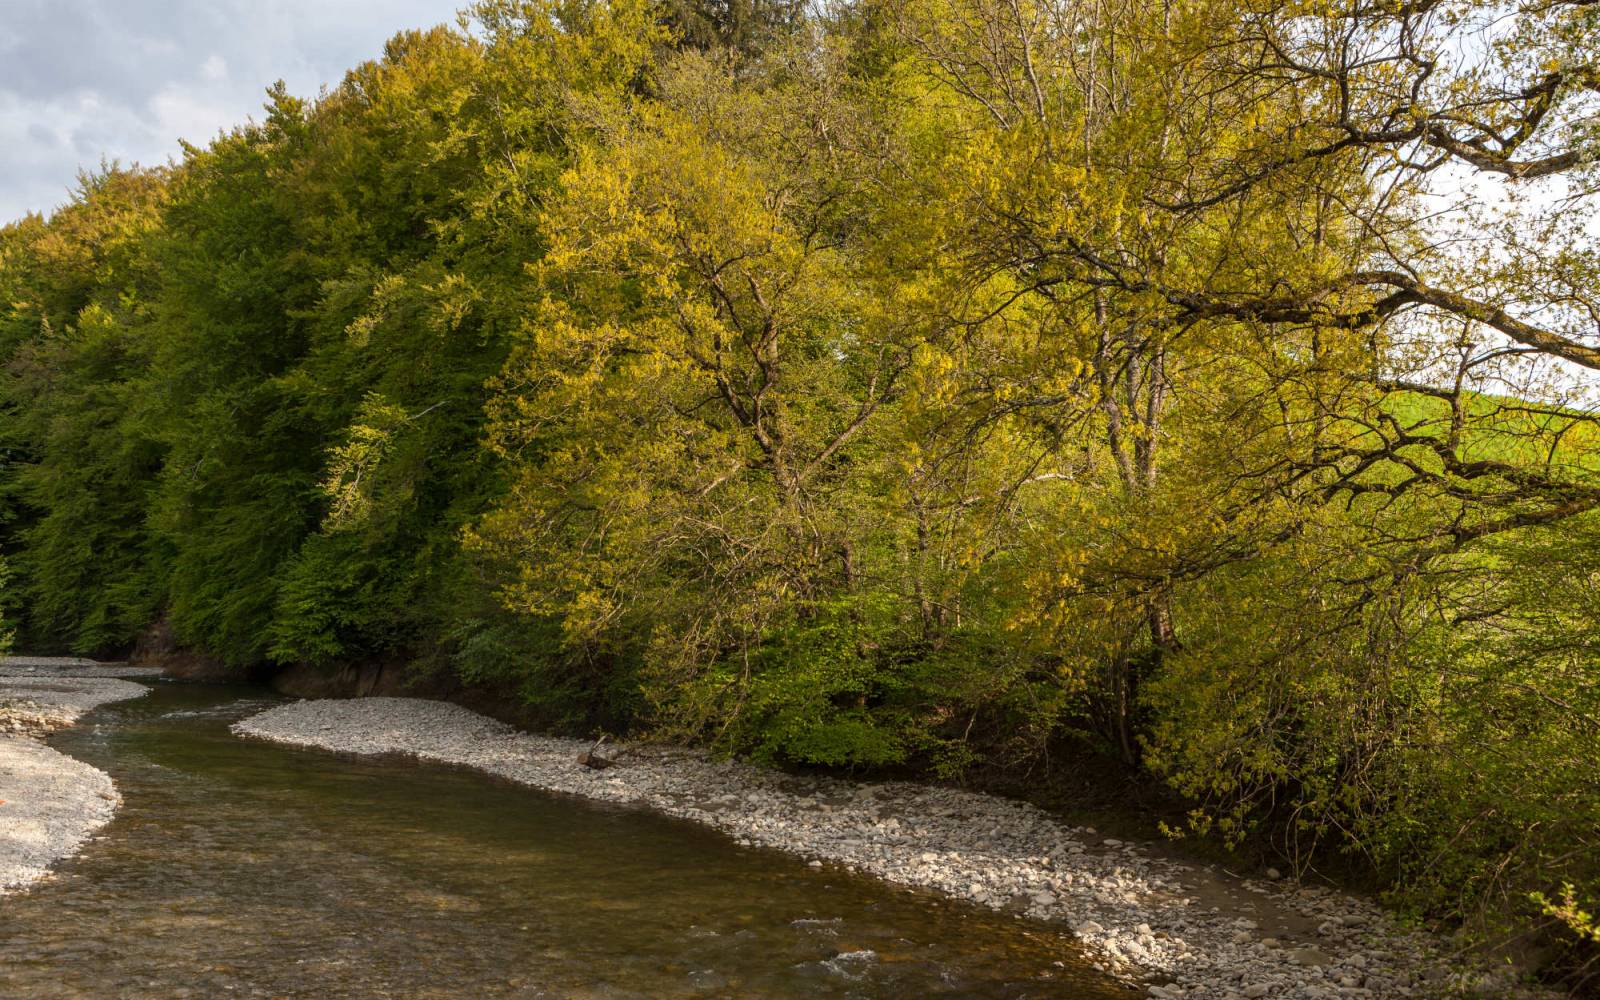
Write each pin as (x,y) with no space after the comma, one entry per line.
(59,667)
(50,804)
(1175,930)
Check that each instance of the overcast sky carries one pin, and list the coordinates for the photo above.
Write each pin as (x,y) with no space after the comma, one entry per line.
(126,79)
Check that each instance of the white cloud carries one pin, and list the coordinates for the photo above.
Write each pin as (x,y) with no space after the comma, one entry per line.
(184,113)
(214,69)
(86,80)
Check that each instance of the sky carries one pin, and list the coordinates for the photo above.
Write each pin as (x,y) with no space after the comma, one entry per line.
(125,80)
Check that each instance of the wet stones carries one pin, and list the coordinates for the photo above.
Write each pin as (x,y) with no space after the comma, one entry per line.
(50,804)
(1141,915)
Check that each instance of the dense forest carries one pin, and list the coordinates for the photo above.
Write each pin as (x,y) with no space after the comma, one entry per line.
(1198,384)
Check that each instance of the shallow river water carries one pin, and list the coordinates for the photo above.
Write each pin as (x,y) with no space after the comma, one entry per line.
(241,869)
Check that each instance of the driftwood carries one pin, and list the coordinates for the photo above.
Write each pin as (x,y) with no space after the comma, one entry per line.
(592,759)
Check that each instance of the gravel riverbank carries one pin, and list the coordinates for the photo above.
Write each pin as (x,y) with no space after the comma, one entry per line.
(1175,929)
(50,804)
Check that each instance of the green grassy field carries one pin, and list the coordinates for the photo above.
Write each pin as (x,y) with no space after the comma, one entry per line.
(1515,431)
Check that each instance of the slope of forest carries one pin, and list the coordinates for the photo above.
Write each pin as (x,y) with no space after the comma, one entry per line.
(897,383)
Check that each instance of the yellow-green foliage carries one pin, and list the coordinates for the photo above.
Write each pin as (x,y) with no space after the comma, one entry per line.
(902,382)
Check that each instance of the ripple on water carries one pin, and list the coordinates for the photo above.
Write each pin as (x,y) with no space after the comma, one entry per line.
(243,869)
(852,965)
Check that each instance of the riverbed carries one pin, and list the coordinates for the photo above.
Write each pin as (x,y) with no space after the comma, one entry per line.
(239,868)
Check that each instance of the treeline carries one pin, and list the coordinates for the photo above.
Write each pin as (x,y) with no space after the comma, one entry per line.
(902,382)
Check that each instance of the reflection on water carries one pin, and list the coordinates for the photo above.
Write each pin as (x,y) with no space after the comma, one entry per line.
(239,869)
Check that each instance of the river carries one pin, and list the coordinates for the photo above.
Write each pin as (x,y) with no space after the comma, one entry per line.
(242,869)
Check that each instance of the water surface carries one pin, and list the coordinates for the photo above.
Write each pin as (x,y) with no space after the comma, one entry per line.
(242,869)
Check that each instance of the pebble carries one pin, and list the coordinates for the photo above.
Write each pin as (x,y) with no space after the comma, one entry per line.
(1309,956)
(1140,916)
(53,804)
